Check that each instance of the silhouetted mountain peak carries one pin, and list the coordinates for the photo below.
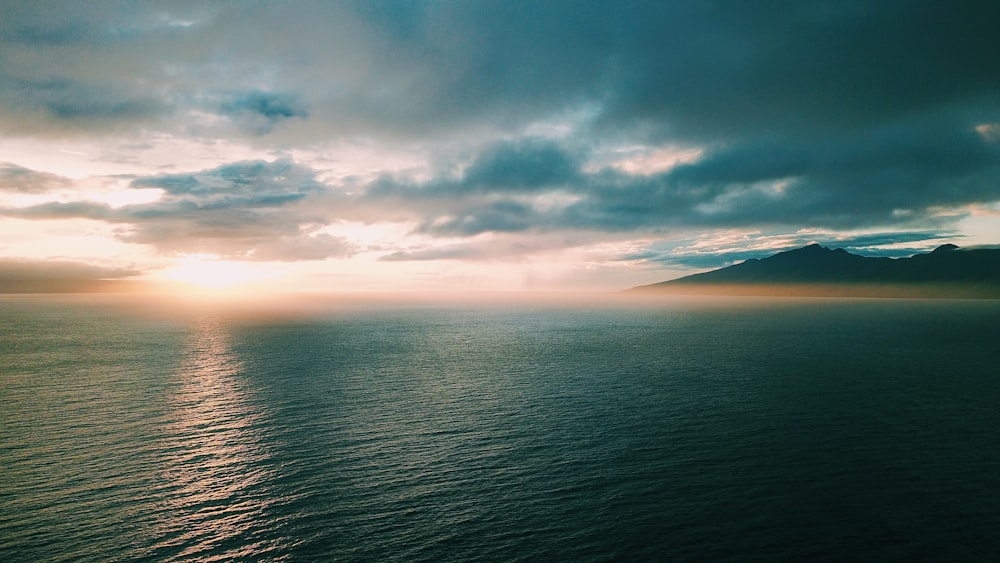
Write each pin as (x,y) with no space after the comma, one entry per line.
(818,265)
(804,259)
(813,248)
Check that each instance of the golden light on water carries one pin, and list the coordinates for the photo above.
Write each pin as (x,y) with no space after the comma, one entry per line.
(214,469)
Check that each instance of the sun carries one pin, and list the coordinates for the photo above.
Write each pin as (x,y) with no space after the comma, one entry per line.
(209,272)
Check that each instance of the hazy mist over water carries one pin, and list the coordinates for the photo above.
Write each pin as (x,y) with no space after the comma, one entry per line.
(699,429)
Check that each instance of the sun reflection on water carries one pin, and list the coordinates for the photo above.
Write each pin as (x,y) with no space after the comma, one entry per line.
(215,464)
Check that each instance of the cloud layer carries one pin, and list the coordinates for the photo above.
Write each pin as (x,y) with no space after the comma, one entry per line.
(532,125)
(703,71)
(245,210)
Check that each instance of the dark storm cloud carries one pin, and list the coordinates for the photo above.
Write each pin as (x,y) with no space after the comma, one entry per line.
(735,70)
(708,71)
(498,216)
(260,112)
(847,182)
(478,199)
(705,71)
(264,104)
(888,176)
(522,166)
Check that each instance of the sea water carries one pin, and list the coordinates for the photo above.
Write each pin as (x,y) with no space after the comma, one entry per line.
(724,429)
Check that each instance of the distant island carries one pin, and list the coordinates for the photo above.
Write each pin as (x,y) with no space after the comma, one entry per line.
(815,270)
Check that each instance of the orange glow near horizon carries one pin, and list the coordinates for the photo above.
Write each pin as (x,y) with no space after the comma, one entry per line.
(210,273)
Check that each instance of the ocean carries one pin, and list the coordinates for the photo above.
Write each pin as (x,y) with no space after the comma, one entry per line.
(679,430)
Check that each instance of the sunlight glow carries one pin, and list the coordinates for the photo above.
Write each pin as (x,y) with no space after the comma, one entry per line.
(209,272)
(121,197)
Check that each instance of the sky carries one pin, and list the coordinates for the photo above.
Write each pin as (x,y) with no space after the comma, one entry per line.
(488,145)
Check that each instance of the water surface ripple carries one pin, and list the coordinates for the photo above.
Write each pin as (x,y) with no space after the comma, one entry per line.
(760,429)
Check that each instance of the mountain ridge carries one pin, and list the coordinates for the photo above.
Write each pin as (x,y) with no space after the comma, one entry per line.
(947,271)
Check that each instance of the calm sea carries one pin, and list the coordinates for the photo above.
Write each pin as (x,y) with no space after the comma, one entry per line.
(759,429)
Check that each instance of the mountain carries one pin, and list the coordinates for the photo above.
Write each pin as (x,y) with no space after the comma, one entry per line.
(948,271)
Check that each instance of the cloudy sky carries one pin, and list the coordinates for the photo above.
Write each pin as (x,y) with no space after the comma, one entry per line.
(488,145)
